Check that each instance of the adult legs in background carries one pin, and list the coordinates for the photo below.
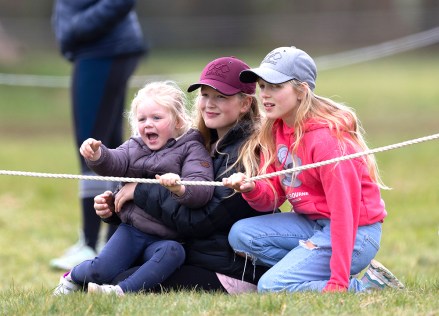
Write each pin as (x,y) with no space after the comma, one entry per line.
(98,99)
(294,265)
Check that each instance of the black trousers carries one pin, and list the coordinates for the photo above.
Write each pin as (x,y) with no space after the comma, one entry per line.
(98,93)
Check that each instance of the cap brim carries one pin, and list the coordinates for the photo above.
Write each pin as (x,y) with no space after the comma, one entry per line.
(217,85)
(193,87)
(267,74)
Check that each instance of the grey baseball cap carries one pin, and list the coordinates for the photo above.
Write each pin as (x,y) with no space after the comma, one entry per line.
(284,64)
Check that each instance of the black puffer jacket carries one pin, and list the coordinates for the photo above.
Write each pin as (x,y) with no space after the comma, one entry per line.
(206,229)
(97,28)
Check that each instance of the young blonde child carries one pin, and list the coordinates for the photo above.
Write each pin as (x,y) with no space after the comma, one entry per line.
(334,230)
(162,146)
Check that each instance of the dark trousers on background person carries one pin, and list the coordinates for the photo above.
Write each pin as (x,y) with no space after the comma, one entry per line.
(99,88)
(98,92)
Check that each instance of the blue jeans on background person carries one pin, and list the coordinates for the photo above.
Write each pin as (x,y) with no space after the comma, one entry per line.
(278,241)
(127,245)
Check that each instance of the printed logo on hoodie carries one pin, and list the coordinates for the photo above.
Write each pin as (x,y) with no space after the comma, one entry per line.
(287,161)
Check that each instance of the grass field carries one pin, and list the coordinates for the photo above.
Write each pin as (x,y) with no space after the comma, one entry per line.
(397,99)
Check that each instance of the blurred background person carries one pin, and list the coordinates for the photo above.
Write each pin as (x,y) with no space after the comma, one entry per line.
(104,41)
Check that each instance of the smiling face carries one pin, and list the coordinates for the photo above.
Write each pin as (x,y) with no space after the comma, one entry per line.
(279,101)
(219,111)
(155,124)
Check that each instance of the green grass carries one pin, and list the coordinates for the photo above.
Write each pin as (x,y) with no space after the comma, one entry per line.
(396,98)
(191,303)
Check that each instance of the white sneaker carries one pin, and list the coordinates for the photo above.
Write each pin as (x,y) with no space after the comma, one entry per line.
(66,286)
(76,254)
(105,289)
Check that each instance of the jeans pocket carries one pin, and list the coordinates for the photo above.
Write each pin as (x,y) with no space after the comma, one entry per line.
(373,242)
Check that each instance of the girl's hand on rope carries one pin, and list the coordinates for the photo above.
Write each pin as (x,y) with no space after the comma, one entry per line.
(169,181)
(239,182)
(104,204)
(126,193)
(91,149)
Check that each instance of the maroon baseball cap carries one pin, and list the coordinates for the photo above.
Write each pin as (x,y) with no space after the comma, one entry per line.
(222,74)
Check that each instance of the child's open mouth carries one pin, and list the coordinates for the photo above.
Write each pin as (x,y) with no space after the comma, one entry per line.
(152,136)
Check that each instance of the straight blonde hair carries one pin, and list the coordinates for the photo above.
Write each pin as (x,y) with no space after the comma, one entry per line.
(340,118)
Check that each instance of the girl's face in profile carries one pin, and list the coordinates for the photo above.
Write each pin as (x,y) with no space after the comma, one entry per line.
(219,111)
(155,124)
(279,101)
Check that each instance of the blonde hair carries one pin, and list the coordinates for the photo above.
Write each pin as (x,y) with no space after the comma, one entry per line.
(340,118)
(166,94)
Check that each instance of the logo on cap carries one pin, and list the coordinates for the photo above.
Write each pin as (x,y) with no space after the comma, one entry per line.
(272,58)
(218,70)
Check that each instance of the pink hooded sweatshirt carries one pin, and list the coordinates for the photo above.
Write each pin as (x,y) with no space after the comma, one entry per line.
(342,192)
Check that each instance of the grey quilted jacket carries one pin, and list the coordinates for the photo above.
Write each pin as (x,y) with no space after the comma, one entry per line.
(186,157)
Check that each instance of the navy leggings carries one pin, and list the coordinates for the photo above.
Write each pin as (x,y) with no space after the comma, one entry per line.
(129,245)
(98,96)
(98,93)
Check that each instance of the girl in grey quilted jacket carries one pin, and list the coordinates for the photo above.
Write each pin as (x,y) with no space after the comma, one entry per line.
(163,145)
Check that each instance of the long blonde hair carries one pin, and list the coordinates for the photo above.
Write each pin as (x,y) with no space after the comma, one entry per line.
(340,118)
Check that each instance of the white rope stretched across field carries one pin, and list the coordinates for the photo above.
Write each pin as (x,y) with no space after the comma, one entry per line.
(347,157)
(216,183)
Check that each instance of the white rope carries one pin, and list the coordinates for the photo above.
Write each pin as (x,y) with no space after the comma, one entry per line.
(216,183)
(381,50)
(355,56)
(98,178)
(347,157)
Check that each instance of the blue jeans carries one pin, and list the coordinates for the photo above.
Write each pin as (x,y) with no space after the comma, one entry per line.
(128,245)
(277,240)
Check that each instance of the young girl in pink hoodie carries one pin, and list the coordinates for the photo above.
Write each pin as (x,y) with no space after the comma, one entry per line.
(334,228)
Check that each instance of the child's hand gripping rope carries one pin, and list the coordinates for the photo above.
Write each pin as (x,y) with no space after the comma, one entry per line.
(171,182)
(239,182)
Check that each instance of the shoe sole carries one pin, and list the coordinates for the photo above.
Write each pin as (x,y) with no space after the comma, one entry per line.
(93,288)
(390,280)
